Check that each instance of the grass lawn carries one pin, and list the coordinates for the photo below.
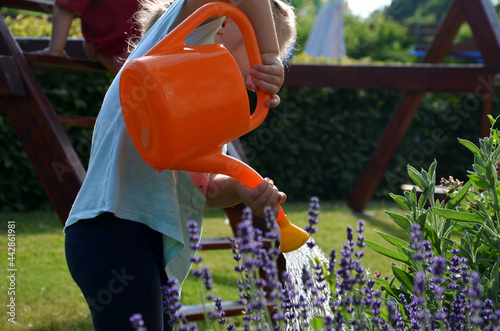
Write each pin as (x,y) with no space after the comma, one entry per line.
(46,297)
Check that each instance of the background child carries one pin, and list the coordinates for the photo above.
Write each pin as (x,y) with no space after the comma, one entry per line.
(126,232)
(106,27)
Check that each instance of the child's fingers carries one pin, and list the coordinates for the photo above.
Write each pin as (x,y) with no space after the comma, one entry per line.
(275,69)
(273,102)
(265,194)
(267,77)
(267,87)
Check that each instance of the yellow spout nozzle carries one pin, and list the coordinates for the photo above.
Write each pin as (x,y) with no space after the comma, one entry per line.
(292,237)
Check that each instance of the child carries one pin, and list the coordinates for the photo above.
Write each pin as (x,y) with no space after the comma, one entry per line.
(126,233)
(106,27)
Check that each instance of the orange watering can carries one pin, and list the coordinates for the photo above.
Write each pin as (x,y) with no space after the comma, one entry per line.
(182,104)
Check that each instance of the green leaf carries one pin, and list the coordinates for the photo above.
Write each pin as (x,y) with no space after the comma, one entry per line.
(395,292)
(432,172)
(400,220)
(477,241)
(387,252)
(402,201)
(473,148)
(493,283)
(416,177)
(433,237)
(317,323)
(455,201)
(457,215)
(404,278)
(448,241)
(392,240)
(426,194)
(491,174)
(421,219)
(478,182)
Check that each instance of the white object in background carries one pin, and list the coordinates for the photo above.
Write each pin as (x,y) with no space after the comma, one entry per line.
(327,35)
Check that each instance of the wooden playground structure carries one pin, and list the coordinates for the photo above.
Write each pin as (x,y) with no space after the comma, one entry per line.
(43,136)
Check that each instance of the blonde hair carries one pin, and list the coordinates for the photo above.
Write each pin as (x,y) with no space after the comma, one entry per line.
(150,11)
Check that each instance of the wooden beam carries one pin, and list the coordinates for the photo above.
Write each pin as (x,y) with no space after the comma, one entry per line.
(77,121)
(73,47)
(231,308)
(408,78)
(38,6)
(483,20)
(48,62)
(487,110)
(43,138)
(403,117)
(11,83)
(224,243)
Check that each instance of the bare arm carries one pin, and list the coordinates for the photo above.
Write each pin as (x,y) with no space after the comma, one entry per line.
(269,76)
(258,12)
(61,23)
(224,191)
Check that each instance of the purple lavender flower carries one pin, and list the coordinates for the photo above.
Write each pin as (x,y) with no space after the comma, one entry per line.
(422,248)
(171,302)
(332,261)
(219,311)
(475,293)
(313,215)
(350,242)
(137,322)
(194,237)
(206,278)
(395,318)
(271,225)
(420,283)
(437,269)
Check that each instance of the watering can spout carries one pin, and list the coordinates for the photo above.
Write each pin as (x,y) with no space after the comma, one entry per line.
(292,237)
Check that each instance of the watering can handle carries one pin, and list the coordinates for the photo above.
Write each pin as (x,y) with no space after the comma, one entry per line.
(175,39)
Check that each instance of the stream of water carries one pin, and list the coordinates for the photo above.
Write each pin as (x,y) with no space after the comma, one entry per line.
(312,298)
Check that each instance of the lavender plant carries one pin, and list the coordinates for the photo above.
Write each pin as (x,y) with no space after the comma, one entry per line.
(435,291)
(472,215)
(438,283)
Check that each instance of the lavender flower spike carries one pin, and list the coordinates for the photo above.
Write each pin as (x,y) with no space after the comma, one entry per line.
(137,322)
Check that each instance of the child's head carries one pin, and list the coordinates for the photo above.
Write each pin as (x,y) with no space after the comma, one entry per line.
(284,17)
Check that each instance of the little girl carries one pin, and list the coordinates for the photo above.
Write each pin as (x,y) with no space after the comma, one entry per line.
(126,233)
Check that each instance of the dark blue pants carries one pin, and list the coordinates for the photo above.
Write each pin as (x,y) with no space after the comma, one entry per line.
(118,265)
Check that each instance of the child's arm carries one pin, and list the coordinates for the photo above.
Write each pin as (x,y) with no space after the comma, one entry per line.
(269,76)
(224,191)
(258,12)
(61,23)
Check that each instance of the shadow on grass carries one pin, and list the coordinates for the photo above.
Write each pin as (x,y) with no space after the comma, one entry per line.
(79,325)
(33,222)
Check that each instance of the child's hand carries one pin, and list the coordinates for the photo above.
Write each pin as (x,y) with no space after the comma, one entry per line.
(263,195)
(268,77)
